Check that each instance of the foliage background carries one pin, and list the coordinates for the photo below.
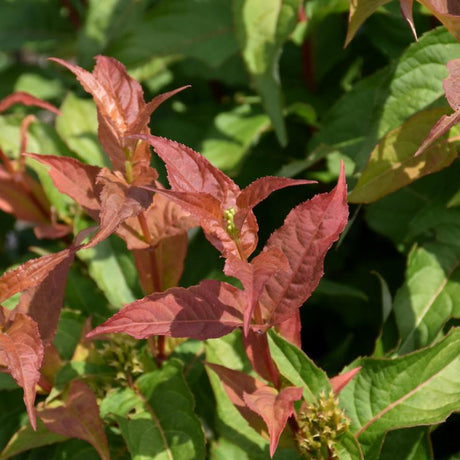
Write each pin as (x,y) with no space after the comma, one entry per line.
(336,104)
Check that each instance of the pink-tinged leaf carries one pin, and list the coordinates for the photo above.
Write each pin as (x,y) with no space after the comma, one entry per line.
(261,188)
(31,273)
(23,197)
(22,351)
(43,301)
(78,418)
(119,201)
(451,84)
(275,408)
(26,99)
(339,382)
(290,329)
(236,384)
(164,219)
(254,276)
(209,310)
(308,232)
(406,10)
(258,353)
(447,12)
(188,171)
(75,179)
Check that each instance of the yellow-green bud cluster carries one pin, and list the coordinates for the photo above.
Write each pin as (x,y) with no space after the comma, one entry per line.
(229,216)
(320,424)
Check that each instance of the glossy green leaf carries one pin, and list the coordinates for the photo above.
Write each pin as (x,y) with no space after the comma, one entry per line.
(158,421)
(201,29)
(418,389)
(430,296)
(382,102)
(231,136)
(262,27)
(392,164)
(113,271)
(298,368)
(77,125)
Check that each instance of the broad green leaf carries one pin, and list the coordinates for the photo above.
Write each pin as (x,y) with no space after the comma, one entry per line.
(26,438)
(201,29)
(419,211)
(383,101)
(297,367)
(113,271)
(348,447)
(77,125)
(39,86)
(430,295)
(231,136)
(392,164)
(262,27)
(360,10)
(164,425)
(421,388)
(410,444)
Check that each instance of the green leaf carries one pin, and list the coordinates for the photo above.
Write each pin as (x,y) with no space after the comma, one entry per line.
(298,368)
(26,438)
(430,295)
(392,165)
(201,29)
(231,136)
(410,444)
(77,125)
(421,388)
(383,101)
(348,447)
(113,271)
(158,421)
(262,27)
(68,333)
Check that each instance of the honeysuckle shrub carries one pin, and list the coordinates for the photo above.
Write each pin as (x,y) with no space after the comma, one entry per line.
(226,235)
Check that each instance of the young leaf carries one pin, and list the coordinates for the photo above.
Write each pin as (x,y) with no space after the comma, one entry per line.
(31,273)
(307,234)
(274,407)
(207,192)
(406,10)
(121,109)
(75,179)
(21,349)
(78,418)
(339,382)
(448,13)
(392,164)
(421,388)
(211,309)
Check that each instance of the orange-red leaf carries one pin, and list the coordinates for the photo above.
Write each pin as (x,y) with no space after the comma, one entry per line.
(448,12)
(208,310)
(22,351)
(275,408)
(339,382)
(307,234)
(78,418)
